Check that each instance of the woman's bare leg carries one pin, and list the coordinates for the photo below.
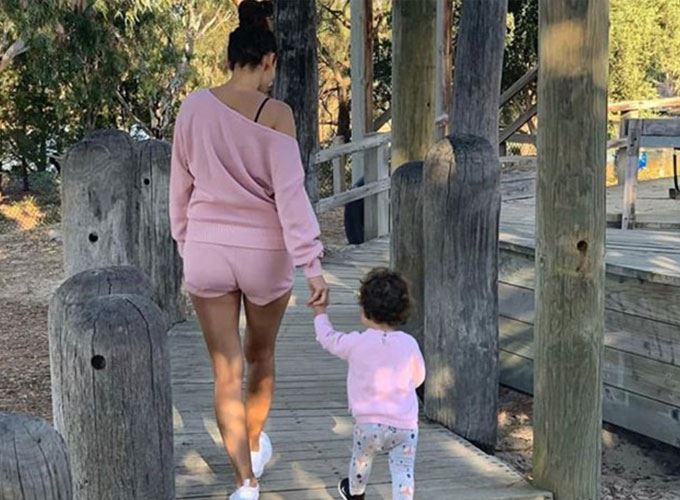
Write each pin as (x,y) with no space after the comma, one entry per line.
(219,319)
(262,327)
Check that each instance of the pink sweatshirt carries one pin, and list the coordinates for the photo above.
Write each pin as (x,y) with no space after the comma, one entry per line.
(384,371)
(238,183)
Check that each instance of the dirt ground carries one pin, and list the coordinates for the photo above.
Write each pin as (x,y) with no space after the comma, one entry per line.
(634,468)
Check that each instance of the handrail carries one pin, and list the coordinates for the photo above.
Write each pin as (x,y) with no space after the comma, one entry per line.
(518,86)
(370,141)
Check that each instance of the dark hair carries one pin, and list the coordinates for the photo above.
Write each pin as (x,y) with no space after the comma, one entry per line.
(253,39)
(384,297)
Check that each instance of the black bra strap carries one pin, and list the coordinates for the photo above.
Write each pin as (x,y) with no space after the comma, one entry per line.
(259,110)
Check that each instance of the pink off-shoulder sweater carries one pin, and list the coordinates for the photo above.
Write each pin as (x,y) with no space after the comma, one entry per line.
(235,182)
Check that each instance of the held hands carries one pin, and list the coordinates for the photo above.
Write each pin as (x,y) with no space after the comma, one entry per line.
(319,294)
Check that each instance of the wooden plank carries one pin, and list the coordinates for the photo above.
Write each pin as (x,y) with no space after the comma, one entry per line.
(667,127)
(370,141)
(625,409)
(622,106)
(518,123)
(514,89)
(377,206)
(352,194)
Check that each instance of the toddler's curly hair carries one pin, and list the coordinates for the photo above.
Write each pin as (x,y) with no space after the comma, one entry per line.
(384,297)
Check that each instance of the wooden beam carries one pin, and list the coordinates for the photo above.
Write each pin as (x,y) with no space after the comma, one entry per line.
(632,158)
(413,79)
(371,141)
(353,194)
(361,60)
(519,122)
(570,246)
(623,106)
(514,89)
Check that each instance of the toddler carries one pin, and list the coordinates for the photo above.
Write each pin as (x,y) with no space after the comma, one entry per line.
(385,368)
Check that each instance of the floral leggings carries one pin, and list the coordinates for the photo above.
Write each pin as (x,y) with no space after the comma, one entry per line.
(373,439)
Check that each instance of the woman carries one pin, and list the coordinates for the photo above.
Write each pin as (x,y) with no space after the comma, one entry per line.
(242,220)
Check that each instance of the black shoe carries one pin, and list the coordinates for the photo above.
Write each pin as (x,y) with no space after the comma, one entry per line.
(343,489)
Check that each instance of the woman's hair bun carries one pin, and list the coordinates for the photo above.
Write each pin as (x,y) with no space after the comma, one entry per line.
(254,13)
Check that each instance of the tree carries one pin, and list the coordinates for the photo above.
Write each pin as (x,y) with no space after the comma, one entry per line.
(297,80)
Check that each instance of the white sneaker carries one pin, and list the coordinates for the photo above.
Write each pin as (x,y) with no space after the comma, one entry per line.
(259,459)
(246,492)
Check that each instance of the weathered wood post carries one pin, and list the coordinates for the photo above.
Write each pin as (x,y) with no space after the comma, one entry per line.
(406,253)
(461,204)
(111,385)
(570,246)
(413,79)
(99,198)
(158,256)
(34,462)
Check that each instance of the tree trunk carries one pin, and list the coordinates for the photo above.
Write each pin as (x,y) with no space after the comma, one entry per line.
(461,207)
(478,69)
(413,79)
(570,246)
(297,80)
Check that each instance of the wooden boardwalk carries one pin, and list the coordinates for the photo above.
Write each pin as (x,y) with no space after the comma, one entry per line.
(309,425)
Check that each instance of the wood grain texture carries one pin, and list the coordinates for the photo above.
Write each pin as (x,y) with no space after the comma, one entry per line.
(478,69)
(99,202)
(407,256)
(158,256)
(570,246)
(110,384)
(34,463)
(413,79)
(297,77)
(461,205)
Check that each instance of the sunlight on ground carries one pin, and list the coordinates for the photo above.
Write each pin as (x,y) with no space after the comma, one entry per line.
(25,213)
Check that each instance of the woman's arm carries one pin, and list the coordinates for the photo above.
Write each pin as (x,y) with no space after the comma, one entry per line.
(181,186)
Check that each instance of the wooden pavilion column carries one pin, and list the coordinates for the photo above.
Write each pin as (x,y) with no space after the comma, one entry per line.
(570,246)
(361,61)
(413,79)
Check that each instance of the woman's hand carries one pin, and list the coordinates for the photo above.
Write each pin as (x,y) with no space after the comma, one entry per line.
(318,289)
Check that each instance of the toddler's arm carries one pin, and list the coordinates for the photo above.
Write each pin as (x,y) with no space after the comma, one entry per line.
(337,343)
(418,367)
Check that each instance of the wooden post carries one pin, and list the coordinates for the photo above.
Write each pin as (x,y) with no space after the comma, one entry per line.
(631,174)
(570,246)
(34,461)
(413,79)
(158,256)
(339,179)
(99,202)
(297,80)
(444,60)
(461,207)
(361,60)
(376,207)
(111,385)
(406,253)
(479,67)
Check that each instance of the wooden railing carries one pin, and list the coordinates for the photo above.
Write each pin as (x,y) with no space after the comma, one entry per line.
(374,148)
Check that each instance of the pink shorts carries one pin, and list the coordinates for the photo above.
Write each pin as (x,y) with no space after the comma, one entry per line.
(212,270)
